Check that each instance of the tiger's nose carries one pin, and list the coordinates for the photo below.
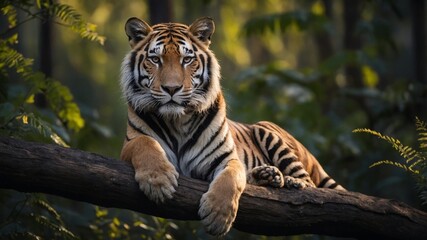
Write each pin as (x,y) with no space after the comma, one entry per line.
(171,89)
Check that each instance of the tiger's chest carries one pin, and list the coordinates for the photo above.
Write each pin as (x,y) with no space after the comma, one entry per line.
(195,144)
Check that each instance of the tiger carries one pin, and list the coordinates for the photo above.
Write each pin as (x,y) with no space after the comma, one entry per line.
(177,125)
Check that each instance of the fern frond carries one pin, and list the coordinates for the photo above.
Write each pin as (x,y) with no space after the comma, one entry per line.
(421,128)
(74,20)
(61,230)
(417,163)
(10,12)
(48,208)
(397,164)
(21,236)
(407,152)
(10,58)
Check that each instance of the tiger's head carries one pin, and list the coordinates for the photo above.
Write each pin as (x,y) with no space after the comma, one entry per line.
(170,70)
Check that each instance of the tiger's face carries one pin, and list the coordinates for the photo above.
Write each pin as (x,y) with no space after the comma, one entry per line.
(170,69)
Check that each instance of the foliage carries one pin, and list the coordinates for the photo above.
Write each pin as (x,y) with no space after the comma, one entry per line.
(415,161)
(301,19)
(33,210)
(321,100)
(19,116)
(33,217)
(113,225)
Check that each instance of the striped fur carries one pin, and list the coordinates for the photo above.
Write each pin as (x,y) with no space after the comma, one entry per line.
(177,124)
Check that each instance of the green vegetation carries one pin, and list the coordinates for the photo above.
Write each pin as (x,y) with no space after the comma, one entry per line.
(19,114)
(319,68)
(415,160)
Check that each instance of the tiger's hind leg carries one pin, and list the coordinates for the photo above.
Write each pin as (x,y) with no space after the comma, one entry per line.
(281,154)
(265,176)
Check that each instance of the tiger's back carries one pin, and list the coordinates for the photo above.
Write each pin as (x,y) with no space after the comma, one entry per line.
(265,143)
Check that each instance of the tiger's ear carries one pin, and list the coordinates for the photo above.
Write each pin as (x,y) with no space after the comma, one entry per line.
(203,28)
(136,30)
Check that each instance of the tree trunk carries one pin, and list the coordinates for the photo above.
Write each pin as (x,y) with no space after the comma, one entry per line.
(160,11)
(352,40)
(418,9)
(88,177)
(45,53)
(419,39)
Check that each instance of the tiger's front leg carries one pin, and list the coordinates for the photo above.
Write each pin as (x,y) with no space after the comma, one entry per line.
(156,176)
(218,206)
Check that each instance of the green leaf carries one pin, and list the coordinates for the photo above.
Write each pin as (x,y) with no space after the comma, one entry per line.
(74,21)
(370,77)
(41,127)
(61,101)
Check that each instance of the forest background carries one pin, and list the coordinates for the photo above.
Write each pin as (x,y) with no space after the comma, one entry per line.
(318,68)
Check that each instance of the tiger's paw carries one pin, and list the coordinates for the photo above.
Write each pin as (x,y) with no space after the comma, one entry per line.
(266,176)
(298,183)
(158,184)
(217,213)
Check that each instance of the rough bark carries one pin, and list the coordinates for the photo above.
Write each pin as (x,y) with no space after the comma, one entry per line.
(88,177)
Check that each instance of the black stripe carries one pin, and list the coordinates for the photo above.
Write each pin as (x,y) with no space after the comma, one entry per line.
(134,127)
(148,118)
(302,175)
(179,37)
(256,160)
(174,32)
(127,138)
(216,148)
(132,61)
(202,59)
(140,77)
(160,38)
(211,140)
(294,170)
(195,123)
(181,42)
(194,171)
(215,163)
(283,153)
(172,139)
(261,134)
(268,141)
(238,137)
(238,132)
(208,68)
(211,113)
(323,182)
(285,163)
(245,159)
(334,185)
(133,84)
(273,150)
(195,48)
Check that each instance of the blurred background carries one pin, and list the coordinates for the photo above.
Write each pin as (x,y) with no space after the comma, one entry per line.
(318,68)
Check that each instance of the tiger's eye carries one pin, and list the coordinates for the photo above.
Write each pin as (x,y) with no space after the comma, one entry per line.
(155,59)
(187,60)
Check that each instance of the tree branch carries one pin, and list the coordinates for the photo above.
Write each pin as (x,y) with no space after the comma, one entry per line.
(88,177)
